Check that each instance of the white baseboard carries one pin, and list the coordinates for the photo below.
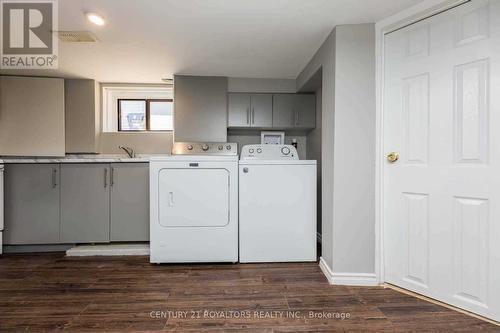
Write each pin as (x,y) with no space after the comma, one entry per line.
(109,250)
(348,279)
(326,270)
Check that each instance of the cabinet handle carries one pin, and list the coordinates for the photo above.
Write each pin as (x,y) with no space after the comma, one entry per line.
(54,177)
(248,116)
(112,177)
(105,177)
(171,199)
(296,118)
(253,116)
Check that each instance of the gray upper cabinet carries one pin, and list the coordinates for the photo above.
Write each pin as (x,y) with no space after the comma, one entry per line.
(85,203)
(283,110)
(294,111)
(261,110)
(305,111)
(129,202)
(239,110)
(200,106)
(81,99)
(31,116)
(250,110)
(31,204)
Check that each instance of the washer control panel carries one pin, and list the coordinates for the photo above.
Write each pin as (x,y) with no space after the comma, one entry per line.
(205,148)
(269,152)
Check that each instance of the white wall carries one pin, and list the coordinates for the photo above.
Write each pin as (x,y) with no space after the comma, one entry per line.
(347,61)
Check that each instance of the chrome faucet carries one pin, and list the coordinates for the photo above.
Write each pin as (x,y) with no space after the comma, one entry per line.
(130,152)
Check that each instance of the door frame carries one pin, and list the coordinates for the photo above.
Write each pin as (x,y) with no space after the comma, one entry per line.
(412,15)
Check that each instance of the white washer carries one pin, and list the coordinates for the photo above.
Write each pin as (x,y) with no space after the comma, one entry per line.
(277,195)
(194,204)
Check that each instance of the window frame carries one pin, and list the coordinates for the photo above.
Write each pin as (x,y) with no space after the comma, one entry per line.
(148,115)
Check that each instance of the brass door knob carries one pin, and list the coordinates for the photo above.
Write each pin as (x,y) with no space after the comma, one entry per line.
(392,157)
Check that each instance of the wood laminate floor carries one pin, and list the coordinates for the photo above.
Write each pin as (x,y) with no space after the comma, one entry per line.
(51,292)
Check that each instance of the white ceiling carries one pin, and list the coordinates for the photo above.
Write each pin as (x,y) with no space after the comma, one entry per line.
(145,40)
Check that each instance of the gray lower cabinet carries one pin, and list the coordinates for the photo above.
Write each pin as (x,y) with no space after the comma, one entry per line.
(85,204)
(31,204)
(129,202)
(294,111)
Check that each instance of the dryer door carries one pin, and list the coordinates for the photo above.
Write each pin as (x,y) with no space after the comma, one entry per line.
(193,197)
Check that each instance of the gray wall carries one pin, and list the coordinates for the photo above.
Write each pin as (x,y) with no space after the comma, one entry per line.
(251,85)
(347,61)
(253,137)
(161,142)
(142,143)
(354,173)
(324,61)
(314,150)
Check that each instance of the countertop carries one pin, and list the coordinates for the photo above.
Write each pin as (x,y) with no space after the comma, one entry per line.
(81,158)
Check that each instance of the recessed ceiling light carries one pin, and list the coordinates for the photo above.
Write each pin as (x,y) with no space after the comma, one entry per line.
(96,19)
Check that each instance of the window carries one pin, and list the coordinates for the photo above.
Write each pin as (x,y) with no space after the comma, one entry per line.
(137,103)
(145,115)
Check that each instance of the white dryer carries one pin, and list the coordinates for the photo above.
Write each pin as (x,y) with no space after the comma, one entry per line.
(194,204)
(277,195)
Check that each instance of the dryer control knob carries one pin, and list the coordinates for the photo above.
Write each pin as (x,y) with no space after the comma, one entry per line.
(190,147)
(204,147)
(285,150)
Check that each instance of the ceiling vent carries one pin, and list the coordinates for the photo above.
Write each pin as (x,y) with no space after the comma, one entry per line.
(77,37)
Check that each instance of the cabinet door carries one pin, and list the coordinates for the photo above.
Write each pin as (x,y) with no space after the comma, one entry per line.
(283,110)
(81,99)
(84,203)
(31,204)
(32,116)
(129,202)
(305,111)
(239,110)
(200,104)
(261,110)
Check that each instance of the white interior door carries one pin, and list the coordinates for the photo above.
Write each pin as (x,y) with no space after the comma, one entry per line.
(442,197)
(193,197)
